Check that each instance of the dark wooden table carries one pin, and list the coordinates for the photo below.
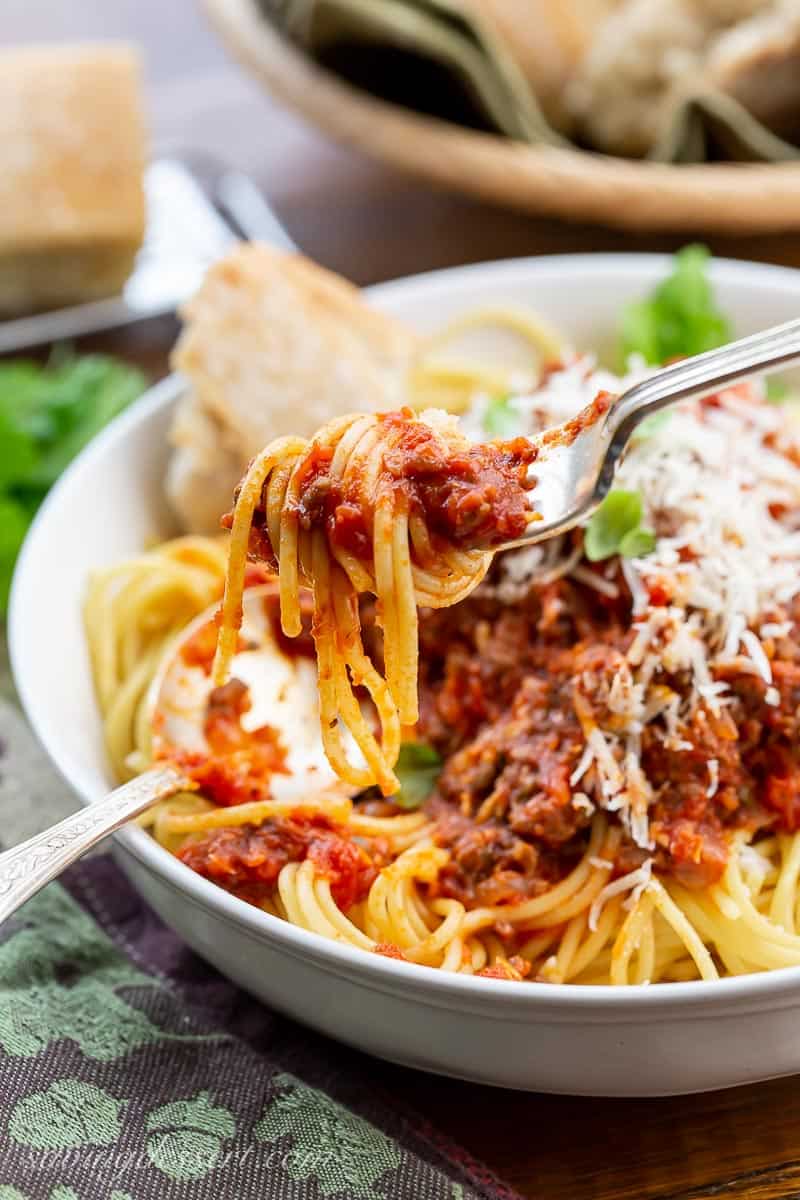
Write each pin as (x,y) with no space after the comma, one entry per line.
(372,224)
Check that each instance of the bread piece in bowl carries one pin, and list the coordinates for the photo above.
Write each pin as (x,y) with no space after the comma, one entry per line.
(272,345)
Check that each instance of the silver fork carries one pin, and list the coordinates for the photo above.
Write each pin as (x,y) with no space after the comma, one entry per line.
(573,478)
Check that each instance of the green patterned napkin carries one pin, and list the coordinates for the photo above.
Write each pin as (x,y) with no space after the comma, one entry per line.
(439,57)
(130,1070)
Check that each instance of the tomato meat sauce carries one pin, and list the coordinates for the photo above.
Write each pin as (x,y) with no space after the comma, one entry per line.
(475,497)
(247,860)
(501,689)
(478,496)
(240,763)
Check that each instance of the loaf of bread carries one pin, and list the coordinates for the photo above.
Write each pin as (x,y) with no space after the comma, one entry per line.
(72,210)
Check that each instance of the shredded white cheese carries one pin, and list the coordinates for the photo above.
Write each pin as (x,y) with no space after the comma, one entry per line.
(582,802)
(756,652)
(634,882)
(584,762)
(775,629)
(713,777)
(722,496)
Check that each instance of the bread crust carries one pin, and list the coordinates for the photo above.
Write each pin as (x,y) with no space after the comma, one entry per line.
(273,345)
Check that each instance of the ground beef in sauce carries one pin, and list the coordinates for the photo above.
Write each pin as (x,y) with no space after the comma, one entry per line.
(247,860)
(499,690)
(475,496)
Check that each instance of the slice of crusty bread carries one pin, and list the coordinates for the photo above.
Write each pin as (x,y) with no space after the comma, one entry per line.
(72,209)
(272,345)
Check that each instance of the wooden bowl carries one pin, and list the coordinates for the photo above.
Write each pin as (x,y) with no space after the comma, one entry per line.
(573,184)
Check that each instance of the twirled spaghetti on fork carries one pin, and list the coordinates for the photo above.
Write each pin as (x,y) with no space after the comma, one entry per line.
(392,506)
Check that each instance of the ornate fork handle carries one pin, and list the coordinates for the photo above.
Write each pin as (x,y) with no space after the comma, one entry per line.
(28,867)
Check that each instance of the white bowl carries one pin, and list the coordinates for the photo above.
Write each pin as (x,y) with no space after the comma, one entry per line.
(672,1038)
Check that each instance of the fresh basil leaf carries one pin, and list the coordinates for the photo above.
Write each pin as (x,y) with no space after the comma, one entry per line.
(637,542)
(418,766)
(616,528)
(500,419)
(14,522)
(679,318)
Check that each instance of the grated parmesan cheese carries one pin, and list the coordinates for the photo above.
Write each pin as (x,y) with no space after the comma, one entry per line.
(722,497)
(603,864)
(584,762)
(713,777)
(775,629)
(634,882)
(756,652)
(582,802)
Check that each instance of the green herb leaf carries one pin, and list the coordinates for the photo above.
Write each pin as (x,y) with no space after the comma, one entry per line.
(616,528)
(18,455)
(14,522)
(47,414)
(680,318)
(637,542)
(84,395)
(417,768)
(500,419)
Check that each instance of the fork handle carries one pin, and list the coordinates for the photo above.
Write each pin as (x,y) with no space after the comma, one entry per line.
(28,867)
(702,375)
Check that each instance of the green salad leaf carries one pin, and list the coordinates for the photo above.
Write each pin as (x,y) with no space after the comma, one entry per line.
(14,522)
(500,419)
(417,768)
(616,528)
(679,318)
(47,414)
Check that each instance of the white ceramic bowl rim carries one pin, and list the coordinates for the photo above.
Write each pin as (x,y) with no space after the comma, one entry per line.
(771,989)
